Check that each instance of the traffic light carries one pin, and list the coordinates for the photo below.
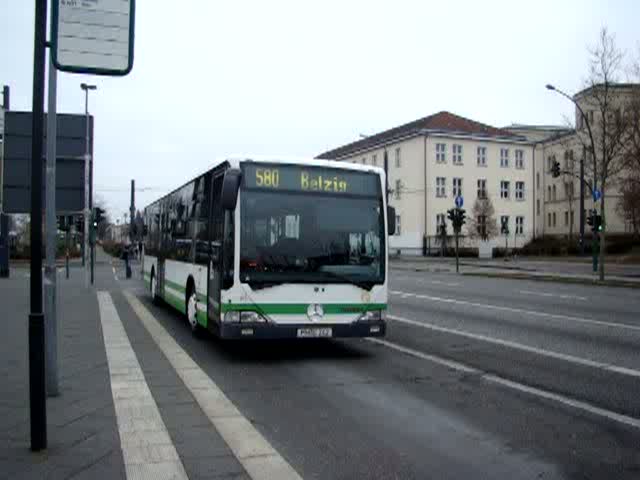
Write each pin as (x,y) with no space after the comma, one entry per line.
(457,217)
(98,215)
(555,169)
(451,215)
(461,218)
(504,228)
(597,224)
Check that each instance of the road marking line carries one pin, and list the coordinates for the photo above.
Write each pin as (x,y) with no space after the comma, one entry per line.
(519,346)
(518,310)
(553,295)
(147,449)
(253,451)
(441,361)
(577,404)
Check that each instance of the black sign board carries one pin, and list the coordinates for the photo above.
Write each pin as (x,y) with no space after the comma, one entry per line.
(71,146)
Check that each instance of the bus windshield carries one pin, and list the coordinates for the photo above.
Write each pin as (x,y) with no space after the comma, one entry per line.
(296,237)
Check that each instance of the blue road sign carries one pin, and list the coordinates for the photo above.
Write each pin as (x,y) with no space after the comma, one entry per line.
(459,201)
(597,194)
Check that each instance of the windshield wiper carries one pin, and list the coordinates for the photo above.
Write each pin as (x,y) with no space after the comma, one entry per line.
(358,283)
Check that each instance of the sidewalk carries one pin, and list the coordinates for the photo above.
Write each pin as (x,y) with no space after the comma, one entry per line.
(82,431)
(539,269)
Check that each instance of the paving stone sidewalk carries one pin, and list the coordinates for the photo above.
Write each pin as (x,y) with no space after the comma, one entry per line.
(82,435)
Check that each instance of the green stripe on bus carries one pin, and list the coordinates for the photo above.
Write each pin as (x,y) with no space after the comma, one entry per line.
(174,301)
(202,318)
(301,308)
(175,286)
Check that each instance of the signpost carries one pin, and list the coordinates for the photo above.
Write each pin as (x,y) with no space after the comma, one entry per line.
(91,37)
(597,195)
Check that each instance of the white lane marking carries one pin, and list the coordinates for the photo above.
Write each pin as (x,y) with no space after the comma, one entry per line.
(253,451)
(518,310)
(425,356)
(553,295)
(147,449)
(577,404)
(519,346)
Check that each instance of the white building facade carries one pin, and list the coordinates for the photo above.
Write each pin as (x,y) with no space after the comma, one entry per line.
(435,159)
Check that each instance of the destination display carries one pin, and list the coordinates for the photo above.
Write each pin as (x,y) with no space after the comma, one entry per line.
(309,179)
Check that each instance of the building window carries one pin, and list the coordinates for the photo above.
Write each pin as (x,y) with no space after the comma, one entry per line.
(519,225)
(374,160)
(520,159)
(364,160)
(549,163)
(398,188)
(504,189)
(440,186)
(554,219)
(566,159)
(572,218)
(519,190)
(457,154)
(398,225)
(566,218)
(554,193)
(537,180)
(398,157)
(549,193)
(538,206)
(482,188)
(457,187)
(482,156)
(504,157)
(549,220)
(440,220)
(441,152)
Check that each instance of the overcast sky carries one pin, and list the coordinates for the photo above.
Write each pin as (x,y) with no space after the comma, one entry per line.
(213,78)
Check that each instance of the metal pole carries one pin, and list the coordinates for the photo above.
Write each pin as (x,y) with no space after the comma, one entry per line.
(132,210)
(582,203)
(37,402)
(51,327)
(66,263)
(87,193)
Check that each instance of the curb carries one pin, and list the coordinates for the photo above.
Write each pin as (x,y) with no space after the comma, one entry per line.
(555,278)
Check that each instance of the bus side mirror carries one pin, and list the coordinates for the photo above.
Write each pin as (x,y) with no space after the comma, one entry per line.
(230,187)
(391,221)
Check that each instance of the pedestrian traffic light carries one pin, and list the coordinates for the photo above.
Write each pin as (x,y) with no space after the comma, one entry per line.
(555,169)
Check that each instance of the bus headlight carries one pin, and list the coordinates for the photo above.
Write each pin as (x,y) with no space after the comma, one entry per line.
(251,317)
(232,317)
(373,316)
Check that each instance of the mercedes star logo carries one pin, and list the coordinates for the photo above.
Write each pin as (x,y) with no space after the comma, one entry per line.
(315,312)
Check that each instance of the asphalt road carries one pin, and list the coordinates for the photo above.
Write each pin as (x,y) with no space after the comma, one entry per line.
(477,378)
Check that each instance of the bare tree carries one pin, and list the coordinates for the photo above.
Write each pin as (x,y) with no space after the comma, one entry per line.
(604,139)
(628,206)
(482,224)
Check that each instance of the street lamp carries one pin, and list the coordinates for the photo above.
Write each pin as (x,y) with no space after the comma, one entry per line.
(88,177)
(593,151)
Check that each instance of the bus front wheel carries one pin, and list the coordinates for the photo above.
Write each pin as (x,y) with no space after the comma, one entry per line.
(192,311)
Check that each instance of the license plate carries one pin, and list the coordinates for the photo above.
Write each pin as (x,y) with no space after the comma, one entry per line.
(315,332)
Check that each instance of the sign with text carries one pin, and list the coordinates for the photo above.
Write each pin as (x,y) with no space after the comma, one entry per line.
(93,36)
(310,179)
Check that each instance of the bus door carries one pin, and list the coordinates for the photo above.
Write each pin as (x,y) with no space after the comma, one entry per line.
(214,270)
(214,283)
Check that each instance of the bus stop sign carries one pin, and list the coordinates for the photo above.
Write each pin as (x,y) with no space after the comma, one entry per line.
(93,36)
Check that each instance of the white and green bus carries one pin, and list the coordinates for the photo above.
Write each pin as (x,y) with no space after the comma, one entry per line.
(274,249)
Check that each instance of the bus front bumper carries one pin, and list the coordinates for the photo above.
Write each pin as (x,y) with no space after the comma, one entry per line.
(302,331)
